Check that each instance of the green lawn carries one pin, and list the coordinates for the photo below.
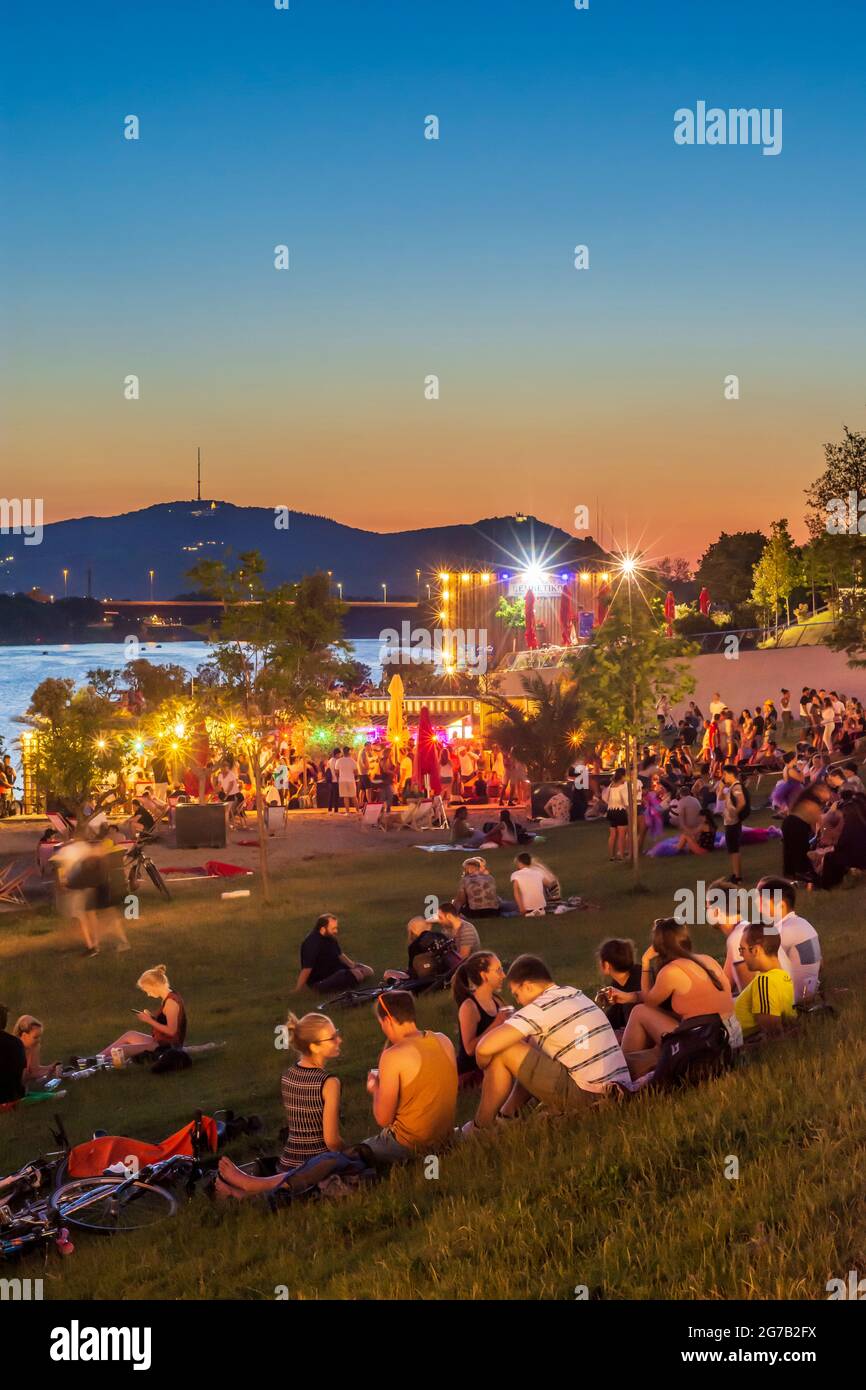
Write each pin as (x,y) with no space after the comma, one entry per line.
(631,1202)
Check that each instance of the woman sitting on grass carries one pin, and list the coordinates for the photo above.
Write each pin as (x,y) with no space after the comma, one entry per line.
(36,1073)
(699,841)
(311,1099)
(167,1028)
(474,986)
(686,986)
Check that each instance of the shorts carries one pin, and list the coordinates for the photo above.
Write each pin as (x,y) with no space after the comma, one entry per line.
(733,837)
(385,1147)
(548,1080)
(617,817)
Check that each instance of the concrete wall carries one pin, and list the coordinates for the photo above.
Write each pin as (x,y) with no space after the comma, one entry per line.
(756,676)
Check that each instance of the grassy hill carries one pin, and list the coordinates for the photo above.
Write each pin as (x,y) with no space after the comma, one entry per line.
(631,1202)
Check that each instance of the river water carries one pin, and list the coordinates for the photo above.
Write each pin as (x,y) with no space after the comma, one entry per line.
(22,668)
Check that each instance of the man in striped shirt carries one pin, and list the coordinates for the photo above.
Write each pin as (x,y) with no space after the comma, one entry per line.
(558,1047)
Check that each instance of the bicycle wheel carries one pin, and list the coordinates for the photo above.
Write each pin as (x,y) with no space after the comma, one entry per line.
(107,1206)
(158,881)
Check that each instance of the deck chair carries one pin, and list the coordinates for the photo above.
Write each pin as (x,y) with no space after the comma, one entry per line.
(12,880)
(440,815)
(374,815)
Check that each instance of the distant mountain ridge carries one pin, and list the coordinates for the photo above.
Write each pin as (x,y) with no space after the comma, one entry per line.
(170,537)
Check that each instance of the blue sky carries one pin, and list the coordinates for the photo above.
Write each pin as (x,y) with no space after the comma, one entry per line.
(409,256)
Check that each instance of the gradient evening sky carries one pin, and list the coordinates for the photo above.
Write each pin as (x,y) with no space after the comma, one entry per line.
(410,257)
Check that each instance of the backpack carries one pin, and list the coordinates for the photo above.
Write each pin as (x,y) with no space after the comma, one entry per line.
(746,809)
(695,1051)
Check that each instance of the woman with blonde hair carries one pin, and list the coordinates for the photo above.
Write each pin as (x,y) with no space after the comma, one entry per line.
(311,1100)
(167,1028)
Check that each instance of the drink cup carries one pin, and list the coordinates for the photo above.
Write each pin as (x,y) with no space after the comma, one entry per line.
(117,1056)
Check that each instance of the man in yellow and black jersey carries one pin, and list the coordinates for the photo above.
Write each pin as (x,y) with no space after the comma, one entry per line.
(767,1002)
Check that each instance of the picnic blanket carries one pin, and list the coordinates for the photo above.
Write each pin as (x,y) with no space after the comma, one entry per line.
(213,868)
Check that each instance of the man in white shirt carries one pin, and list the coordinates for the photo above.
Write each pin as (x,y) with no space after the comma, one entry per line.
(688,814)
(468,762)
(528,887)
(777,898)
(717,705)
(724,903)
(558,1047)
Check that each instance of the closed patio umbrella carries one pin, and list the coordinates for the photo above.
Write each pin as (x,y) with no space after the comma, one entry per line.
(529,622)
(395,709)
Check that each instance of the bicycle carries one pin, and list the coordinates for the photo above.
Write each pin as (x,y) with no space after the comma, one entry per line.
(137,861)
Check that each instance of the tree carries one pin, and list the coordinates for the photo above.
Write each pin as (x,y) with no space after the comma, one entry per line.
(511,612)
(676,570)
(622,676)
(105,682)
(276,655)
(154,681)
(845,472)
(725,567)
(543,735)
(778,572)
(76,757)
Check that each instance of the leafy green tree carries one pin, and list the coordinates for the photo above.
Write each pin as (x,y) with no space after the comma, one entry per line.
(844,473)
(511,612)
(542,734)
(154,681)
(273,661)
(105,682)
(622,675)
(778,572)
(77,754)
(726,566)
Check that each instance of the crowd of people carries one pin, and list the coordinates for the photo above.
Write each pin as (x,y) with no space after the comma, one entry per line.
(554,1046)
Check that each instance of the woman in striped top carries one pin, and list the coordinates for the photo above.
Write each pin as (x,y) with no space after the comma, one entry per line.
(311,1099)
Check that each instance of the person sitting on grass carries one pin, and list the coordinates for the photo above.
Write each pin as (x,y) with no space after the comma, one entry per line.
(462,832)
(463,933)
(413,1089)
(36,1073)
(477,891)
(767,1004)
(800,953)
(701,839)
(325,967)
(686,986)
(13,1062)
(167,1028)
(314,1147)
(474,987)
(617,962)
(558,1047)
(529,887)
(724,903)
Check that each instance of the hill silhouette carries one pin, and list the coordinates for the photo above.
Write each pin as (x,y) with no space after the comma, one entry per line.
(171,536)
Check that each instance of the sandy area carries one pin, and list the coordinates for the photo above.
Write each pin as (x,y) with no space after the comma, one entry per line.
(303,835)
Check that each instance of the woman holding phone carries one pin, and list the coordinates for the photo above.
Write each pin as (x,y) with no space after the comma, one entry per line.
(167,1028)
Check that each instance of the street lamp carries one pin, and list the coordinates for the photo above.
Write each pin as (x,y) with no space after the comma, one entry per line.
(384,593)
(340,590)
(417,583)
(150,574)
(330,577)
(65,577)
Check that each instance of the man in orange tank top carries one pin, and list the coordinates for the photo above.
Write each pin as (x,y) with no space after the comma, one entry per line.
(414,1088)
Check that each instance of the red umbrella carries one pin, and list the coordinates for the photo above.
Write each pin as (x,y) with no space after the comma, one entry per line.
(427,754)
(704,601)
(529,620)
(602,599)
(566,617)
(670,612)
